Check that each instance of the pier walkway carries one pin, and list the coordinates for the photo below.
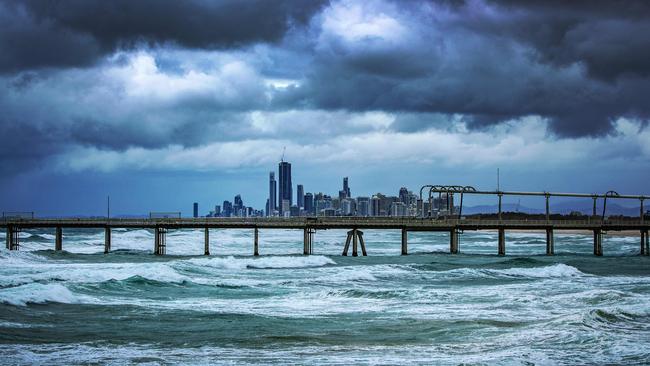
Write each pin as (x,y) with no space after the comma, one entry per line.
(310,225)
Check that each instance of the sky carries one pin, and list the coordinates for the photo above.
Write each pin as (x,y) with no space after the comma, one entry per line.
(162,103)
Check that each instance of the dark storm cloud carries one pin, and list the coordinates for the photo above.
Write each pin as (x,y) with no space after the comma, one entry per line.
(579,64)
(67,33)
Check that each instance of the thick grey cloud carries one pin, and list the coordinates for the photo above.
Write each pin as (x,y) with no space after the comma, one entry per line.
(36,34)
(581,65)
(69,80)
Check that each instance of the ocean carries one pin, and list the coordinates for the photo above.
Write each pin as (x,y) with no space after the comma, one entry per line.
(80,306)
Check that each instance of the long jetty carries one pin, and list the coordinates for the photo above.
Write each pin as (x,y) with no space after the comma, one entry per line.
(455,227)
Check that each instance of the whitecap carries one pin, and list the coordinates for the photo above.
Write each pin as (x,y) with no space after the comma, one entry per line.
(37,293)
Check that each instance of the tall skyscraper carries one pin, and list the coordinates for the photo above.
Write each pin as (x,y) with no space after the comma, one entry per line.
(309,204)
(196,209)
(300,197)
(345,192)
(284,190)
(272,206)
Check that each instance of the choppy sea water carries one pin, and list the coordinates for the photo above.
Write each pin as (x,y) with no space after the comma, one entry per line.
(430,307)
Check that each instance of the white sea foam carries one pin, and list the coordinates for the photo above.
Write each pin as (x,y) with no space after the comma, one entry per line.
(263,262)
(556,270)
(37,293)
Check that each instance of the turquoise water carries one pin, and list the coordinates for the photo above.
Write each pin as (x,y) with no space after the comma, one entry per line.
(430,307)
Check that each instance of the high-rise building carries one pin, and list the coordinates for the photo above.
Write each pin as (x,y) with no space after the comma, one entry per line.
(272,205)
(346,207)
(375,206)
(238,206)
(196,209)
(300,197)
(309,204)
(217,210)
(363,206)
(227,209)
(284,190)
(404,195)
(345,192)
(285,206)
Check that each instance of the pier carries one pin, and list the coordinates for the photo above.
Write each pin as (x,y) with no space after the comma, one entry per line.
(311,225)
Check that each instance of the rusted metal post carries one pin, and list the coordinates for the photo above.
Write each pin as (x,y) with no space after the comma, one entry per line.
(58,239)
(405,250)
(256,245)
(107,240)
(502,241)
(206,242)
(550,242)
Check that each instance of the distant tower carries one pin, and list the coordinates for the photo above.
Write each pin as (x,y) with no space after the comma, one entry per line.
(300,197)
(309,203)
(346,188)
(284,190)
(196,209)
(404,195)
(272,194)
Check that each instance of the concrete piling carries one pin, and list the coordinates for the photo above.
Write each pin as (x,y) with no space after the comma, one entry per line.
(256,244)
(58,241)
(160,241)
(598,242)
(362,243)
(453,241)
(13,236)
(550,242)
(347,243)
(206,242)
(107,240)
(502,241)
(404,241)
(354,243)
(308,238)
(8,238)
(643,235)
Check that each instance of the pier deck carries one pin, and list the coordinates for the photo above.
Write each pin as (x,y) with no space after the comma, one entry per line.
(310,224)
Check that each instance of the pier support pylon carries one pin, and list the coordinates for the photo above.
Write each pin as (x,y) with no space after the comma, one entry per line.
(356,236)
(107,240)
(453,241)
(645,243)
(13,236)
(502,241)
(550,242)
(160,241)
(206,242)
(405,235)
(58,239)
(598,242)
(308,241)
(256,243)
